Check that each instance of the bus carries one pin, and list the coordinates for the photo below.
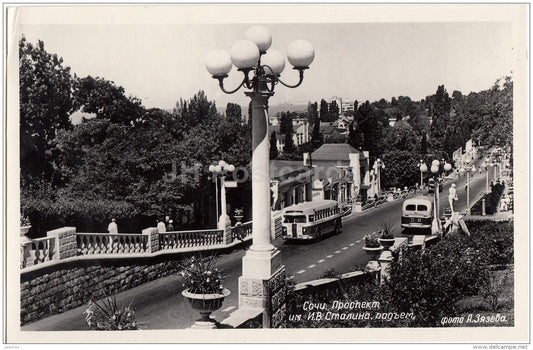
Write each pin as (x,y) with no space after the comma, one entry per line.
(311,220)
(417,213)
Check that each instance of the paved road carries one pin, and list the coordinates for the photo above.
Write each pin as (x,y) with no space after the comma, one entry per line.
(159,304)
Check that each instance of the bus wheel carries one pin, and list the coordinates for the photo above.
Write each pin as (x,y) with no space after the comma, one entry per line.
(318,233)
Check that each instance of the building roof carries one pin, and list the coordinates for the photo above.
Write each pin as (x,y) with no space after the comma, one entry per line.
(286,168)
(333,151)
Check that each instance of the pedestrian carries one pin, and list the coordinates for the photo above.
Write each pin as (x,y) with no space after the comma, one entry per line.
(170,226)
(112,227)
(161,226)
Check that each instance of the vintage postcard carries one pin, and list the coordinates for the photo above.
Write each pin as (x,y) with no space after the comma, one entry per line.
(267,173)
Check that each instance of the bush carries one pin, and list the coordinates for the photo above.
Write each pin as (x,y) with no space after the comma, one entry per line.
(427,283)
(85,215)
(491,201)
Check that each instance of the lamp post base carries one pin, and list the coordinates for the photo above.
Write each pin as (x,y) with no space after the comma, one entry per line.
(267,294)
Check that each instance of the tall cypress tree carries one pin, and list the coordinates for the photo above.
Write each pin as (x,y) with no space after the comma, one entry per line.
(273,146)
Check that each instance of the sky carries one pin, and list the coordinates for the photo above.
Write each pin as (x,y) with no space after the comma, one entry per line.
(160,59)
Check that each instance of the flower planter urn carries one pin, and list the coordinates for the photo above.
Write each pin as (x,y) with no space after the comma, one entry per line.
(239,218)
(23,231)
(386,242)
(373,252)
(205,304)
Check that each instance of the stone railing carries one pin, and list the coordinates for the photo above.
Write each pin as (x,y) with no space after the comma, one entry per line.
(105,243)
(38,251)
(66,244)
(190,239)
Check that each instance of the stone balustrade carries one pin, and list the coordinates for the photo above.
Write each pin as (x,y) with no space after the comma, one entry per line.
(65,244)
(38,251)
(105,243)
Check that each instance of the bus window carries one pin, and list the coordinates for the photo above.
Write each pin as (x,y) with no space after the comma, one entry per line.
(410,207)
(294,219)
(311,218)
(422,207)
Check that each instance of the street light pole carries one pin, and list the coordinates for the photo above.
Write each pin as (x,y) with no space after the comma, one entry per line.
(423,169)
(262,262)
(468,191)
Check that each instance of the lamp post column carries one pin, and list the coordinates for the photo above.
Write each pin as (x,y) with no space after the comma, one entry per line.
(223,221)
(261,236)
(468,191)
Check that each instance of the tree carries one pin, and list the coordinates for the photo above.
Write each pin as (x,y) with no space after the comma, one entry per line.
(45,104)
(324,111)
(316,137)
(424,145)
(273,146)
(442,107)
(354,138)
(401,169)
(196,111)
(401,137)
(233,112)
(106,100)
(333,111)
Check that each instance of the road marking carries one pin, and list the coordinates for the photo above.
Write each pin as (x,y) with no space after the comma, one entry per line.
(300,272)
(321,261)
(337,252)
(344,248)
(358,241)
(329,256)
(228,308)
(352,244)
(311,266)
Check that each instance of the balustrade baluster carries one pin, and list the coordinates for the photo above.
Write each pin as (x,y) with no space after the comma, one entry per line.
(46,251)
(84,247)
(97,248)
(78,245)
(115,244)
(91,245)
(121,245)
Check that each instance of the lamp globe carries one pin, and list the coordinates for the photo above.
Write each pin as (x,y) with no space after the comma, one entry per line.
(218,63)
(275,61)
(260,36)
(244,54)
(300,53)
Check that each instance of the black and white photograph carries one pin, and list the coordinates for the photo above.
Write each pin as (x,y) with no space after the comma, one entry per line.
(267,173)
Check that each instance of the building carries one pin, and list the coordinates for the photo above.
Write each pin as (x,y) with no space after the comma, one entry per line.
(345,105)
(340,172)
(300,127)
(291,182)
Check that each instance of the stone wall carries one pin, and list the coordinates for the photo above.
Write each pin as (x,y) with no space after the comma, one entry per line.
(68,285)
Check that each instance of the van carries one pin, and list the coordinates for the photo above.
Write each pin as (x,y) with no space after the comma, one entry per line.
(417,213)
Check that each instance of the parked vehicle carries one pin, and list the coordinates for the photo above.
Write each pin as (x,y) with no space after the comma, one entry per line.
(311,220)
(417,213)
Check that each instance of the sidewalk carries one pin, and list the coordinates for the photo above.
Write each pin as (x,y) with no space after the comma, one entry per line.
(499,216)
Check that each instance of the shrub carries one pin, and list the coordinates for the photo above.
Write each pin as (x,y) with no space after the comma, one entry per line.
(106,315)
(201,275)
(371,241)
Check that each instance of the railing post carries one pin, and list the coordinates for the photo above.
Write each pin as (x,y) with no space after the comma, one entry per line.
(65,242)
(484,212)
(152,240)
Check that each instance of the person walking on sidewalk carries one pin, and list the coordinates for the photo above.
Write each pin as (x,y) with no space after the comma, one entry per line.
(112,227)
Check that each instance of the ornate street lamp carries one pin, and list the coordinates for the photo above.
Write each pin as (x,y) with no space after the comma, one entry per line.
(435,167)
(221,170)
(261,73)
(423,169)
